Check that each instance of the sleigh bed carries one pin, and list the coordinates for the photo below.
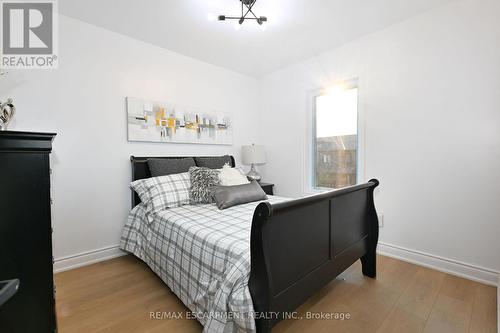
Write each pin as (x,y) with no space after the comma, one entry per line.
(286,249)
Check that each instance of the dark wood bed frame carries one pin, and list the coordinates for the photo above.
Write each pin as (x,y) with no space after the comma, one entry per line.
(299,246)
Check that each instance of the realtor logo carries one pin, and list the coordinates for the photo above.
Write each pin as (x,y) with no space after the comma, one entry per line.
(28,34)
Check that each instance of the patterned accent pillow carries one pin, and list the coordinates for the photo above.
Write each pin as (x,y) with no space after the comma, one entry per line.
(160,193)
(203,182)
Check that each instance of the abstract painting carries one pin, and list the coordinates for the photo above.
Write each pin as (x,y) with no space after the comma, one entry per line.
(166,122)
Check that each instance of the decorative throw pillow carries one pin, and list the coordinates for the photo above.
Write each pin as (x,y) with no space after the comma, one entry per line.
(232,176)
(167,166)
(159,193)
(213,162)
(203,181)
(228,196)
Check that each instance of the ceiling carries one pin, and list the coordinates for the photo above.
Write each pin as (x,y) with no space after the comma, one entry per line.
(296,30)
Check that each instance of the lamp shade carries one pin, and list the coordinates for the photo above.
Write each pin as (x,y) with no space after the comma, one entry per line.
(253,154)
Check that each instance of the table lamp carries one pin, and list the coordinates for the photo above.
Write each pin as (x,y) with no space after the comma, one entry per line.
(253,155)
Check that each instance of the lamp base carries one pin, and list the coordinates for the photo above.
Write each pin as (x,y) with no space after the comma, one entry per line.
(253,174)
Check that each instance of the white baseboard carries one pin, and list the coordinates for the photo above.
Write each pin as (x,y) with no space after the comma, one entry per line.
(87,258)
(453,267)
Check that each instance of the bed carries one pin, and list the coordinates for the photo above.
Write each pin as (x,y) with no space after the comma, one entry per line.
(246,267)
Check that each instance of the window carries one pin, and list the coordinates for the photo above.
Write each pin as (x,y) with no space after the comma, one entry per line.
(335,138)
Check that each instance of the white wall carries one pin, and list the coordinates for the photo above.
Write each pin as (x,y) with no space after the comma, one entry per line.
(84,102)
(429,91)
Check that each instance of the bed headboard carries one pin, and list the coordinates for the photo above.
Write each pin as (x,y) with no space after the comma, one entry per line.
(140,170)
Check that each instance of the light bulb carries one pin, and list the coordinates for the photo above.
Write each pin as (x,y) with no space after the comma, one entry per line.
(237,27)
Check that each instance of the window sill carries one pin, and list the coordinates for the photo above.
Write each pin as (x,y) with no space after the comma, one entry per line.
(312,191)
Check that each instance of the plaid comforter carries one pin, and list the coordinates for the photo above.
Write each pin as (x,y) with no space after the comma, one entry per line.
(203,255)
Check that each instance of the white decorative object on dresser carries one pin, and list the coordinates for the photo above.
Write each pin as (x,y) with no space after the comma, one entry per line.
(7,109)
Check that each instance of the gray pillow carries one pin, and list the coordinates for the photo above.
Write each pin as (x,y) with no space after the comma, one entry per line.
(203,182)
(213,162)
(168,166)
(228,196)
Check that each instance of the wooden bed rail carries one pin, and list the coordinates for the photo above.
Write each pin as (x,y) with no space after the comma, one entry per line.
(298,246)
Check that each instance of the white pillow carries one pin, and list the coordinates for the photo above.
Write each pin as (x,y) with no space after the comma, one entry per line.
(163,192)
(232,176)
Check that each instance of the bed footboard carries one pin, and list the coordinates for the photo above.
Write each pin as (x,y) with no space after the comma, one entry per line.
(299,246)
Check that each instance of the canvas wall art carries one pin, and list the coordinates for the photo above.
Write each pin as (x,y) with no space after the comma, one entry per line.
(166,122)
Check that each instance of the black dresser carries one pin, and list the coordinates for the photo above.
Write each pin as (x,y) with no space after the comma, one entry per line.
(26,232)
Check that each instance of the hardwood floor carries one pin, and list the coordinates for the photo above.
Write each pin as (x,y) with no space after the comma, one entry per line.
(119,295)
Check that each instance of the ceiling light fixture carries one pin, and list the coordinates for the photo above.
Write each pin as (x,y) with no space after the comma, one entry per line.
(246,14)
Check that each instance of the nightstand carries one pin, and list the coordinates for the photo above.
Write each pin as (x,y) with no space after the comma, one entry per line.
(268,188)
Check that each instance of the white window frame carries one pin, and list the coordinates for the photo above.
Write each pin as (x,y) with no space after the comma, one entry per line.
(310,152)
